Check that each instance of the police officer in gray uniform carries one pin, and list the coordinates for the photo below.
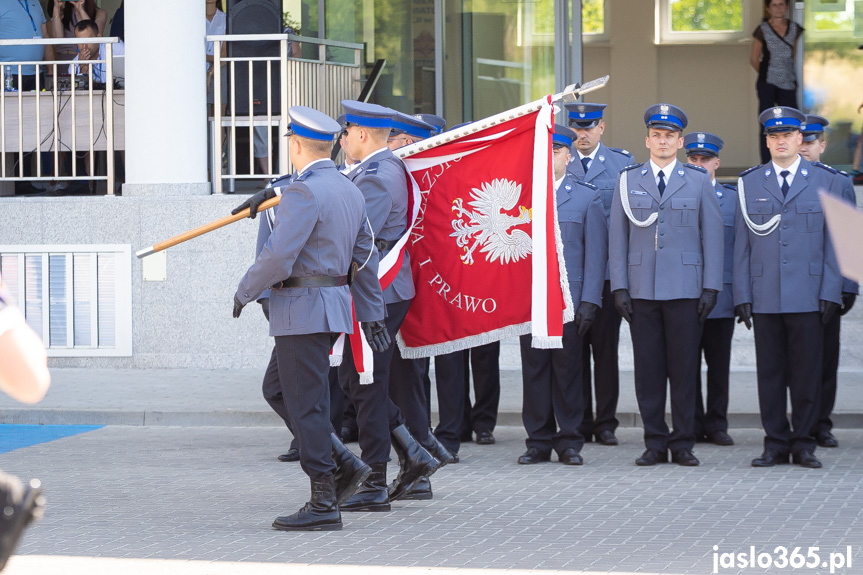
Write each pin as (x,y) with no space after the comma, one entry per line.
(786,278)
(702,149)
(271,386)
(811,149)
(320,231)
(552,378)
(382,179)
(594,162)
(665,254)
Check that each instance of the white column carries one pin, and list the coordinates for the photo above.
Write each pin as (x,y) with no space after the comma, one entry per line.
(166,98)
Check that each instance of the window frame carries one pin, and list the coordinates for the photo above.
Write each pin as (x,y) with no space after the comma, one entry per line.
(665,35)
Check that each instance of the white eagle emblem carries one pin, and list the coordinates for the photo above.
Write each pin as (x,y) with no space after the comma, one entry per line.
(488,227)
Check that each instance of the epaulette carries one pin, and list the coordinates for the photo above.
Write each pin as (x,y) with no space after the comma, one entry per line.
(729,186)
(280,180)
(752,169)
(372,169)
(620,151)
(830,169)
(844,173)
(694,167)
(303,176)
(586,184)
(631,167)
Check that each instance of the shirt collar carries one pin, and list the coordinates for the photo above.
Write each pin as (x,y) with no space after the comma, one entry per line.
(591,155)
(558,182)
(373,153)
(310,164)
(667,170)
(792,168)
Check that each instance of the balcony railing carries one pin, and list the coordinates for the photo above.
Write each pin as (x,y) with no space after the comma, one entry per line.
(56,118)
(321,82)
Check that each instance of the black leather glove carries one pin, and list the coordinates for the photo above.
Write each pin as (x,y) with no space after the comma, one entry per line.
(265,307)
(238,307)
(744,314)
(377,335)
(255,201)
(828,310)
(585,316)
(623,303)
(706,303)
(848,300)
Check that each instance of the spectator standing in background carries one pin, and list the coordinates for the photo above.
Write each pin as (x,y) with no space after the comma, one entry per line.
(774,47)
(118,28)
(65,15)
(23,19)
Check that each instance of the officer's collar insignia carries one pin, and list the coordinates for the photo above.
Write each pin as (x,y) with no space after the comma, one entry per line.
(601,158)
(701,137)
(567,187)
(777,112)
(805,172)
(767,173)
(718,194)
(680,172)
(663,109)
(644,171)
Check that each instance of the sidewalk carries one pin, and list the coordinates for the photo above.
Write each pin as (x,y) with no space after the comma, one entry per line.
(194,397)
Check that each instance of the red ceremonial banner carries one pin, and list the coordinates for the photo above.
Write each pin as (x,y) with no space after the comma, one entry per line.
(487,210)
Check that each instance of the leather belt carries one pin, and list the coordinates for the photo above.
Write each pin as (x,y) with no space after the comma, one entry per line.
(312,281)
(384,245)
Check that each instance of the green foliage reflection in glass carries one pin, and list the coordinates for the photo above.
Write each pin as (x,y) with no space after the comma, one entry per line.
(706,15)
(593,16)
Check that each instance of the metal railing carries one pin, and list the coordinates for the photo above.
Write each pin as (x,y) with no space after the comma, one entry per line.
(320,83)
(40,121)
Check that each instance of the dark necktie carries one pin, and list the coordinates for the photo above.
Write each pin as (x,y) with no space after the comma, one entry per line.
(785,186)
(584,163)
(661,184)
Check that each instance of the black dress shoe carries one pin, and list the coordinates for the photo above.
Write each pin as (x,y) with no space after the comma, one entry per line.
(455,458)
(571,456)
(606,437)
(533,455)
(293,454)
(720,438)
(652,457)
(826,439)
(701,438)
(807,459)
(349,435)
(685,458)
(484,438)
(769,458)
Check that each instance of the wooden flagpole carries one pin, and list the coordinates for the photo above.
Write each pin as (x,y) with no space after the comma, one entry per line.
(201,230)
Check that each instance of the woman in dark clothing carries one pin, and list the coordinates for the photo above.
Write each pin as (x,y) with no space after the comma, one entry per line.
(774,47)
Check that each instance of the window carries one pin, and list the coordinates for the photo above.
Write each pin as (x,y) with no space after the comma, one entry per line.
(594,20)
(696,21)
(77,298)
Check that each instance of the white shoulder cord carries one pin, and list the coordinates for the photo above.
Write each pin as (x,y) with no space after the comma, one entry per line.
(624,200)
(758,229)
(371,251)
